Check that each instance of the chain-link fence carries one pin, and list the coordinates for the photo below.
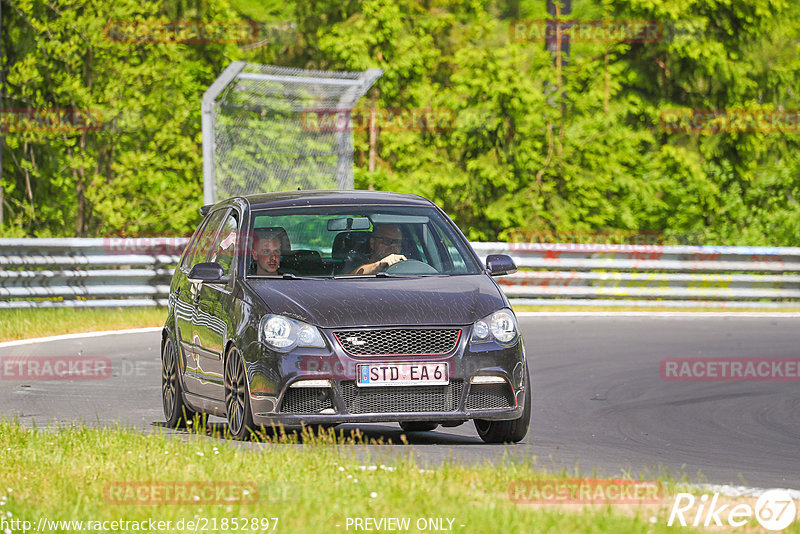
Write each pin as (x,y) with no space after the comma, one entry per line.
(261,133)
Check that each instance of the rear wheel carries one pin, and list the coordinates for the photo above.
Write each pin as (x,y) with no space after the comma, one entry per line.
(175,411)
(512,431)
(418,426)
(237,400)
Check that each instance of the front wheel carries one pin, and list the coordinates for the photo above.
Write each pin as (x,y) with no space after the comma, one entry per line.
(237,400)
(512,431)
(175,411)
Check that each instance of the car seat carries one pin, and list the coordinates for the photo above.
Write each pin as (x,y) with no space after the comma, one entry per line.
(303,262)
(348,248)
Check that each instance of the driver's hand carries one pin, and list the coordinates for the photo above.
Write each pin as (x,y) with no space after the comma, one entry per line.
(391,259)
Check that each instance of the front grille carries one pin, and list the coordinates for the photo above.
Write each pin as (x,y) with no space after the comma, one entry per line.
(399,342)
(402,399)
(306,400)
(490,397)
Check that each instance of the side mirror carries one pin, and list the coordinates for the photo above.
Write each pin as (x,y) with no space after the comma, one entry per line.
(500,264)
(207,272)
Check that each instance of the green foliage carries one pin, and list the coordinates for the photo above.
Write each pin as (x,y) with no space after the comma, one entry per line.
(521,148)
(139,170)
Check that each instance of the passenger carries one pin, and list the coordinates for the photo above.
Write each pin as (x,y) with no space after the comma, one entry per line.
(269,245)
(386,243)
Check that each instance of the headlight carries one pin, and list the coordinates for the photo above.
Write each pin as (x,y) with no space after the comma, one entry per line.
(501,326)
(283,334)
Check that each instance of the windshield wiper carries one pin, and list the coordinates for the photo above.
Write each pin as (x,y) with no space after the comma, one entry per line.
(284,276)
(385,275)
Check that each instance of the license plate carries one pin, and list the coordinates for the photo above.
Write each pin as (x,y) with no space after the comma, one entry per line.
(402,374)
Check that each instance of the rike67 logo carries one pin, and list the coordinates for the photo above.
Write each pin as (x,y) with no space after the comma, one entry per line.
(774,510)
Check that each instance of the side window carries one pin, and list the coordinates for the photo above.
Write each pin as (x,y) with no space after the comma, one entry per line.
(226,241)
(459,266)
(190,248)
(204,242)
(186,258)
(412,244)
(452,262)
(429,244)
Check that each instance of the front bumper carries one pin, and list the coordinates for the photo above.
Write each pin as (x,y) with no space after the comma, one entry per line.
(275,397)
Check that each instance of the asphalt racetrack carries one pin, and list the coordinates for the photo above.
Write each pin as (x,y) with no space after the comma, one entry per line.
(599,400)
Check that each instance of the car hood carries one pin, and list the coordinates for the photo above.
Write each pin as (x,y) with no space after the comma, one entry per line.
(352,302)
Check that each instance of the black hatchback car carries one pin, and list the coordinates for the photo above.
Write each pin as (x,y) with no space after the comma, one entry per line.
(326,307)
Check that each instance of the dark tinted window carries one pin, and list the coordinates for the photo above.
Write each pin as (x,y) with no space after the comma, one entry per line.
(226,243)
(201,245)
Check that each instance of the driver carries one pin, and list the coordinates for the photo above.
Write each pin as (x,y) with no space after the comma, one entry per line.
(268,247)
(386,243)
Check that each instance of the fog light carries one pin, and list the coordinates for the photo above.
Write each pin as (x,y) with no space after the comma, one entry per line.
(311,384)
(485,379)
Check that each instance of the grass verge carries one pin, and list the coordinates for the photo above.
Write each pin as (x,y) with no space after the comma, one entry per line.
(83,474)
(40,322)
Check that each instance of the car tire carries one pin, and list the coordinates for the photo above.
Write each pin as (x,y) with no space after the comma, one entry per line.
(176,412)
(512,431)
(418,426)
(237,396)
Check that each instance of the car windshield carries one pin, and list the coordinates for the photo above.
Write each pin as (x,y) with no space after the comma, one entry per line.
(356,241)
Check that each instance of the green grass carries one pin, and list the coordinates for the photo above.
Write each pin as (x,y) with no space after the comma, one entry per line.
(28,323)
(66,475)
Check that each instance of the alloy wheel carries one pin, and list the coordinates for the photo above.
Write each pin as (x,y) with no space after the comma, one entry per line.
(169,379)
(235,391)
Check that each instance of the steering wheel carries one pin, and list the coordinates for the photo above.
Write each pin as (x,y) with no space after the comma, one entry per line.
(411,267)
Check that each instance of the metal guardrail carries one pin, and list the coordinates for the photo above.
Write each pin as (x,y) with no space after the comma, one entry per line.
(136,272)
(99,272)
(650,275)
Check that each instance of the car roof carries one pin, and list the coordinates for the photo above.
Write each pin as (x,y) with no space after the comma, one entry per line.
(332,197)
(322,197)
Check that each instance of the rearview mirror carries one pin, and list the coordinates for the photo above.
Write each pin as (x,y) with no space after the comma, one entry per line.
(210,271)
(500,264)
(349,223)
